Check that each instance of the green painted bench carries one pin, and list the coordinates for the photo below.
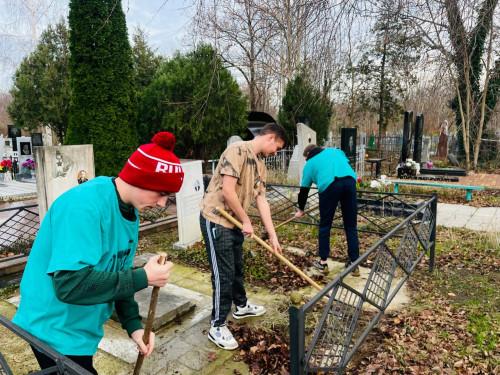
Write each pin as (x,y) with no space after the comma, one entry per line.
(426,183)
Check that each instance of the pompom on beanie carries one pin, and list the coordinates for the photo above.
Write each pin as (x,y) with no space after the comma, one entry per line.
(154,166)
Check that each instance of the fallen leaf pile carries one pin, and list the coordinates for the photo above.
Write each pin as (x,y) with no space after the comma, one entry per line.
(265,352)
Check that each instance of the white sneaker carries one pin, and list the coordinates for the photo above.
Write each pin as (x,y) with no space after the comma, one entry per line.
(222,337)
(248,311)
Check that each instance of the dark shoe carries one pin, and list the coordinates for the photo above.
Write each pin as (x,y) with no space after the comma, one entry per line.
(320,266)
(354,272)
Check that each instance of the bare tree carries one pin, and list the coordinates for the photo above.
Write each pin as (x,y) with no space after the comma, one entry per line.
(267,41)
(463,35)
(21,23)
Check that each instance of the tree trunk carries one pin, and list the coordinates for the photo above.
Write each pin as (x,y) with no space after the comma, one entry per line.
(381,96)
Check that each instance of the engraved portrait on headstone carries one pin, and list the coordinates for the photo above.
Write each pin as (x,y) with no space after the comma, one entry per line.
(63,165)
(25,148)
(82,177)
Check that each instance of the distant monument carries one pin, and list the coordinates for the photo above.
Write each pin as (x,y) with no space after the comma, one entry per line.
(305,137)
(348,144)
(405,150)
(417,138)
(442,149)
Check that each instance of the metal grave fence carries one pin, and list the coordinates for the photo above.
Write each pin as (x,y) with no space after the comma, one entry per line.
(19,225)
(63,365)
(404,221)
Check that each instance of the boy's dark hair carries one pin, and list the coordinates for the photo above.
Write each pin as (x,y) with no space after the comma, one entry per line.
(308,148)
(274,128)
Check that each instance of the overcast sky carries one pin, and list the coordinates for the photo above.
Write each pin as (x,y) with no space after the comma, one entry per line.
(165,21)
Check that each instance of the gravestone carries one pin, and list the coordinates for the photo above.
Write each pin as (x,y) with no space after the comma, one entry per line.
(233,138)
(362,139)
(13,133)
(442,149)
(8,149)
(426,145)
(348,144)
(24,150)
(188,205)
(293,172)
(405,149)
(58,169)
(305,137)
(36,139)
(2,147)
(453,160)
(417,145)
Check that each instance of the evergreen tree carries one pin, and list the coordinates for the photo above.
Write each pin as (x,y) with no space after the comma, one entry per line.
(196,98)
(146,62)
(103,103)
(41,92)
(303,99)
(387,69)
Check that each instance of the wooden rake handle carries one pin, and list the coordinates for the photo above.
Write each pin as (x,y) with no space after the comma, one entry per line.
(305,212)
(151,316)
(262,243)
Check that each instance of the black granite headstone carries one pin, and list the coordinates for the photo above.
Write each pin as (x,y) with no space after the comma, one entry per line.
(13,133)
(305,120)
(405,150)
(36,139)
(417,145)
(348,144)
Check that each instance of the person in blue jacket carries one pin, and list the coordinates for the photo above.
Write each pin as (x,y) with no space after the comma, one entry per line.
(329,169)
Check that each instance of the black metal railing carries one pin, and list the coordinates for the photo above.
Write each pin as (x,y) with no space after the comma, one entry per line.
(339,332)
(18,229)
(63,365)
(19,225)
(379,212)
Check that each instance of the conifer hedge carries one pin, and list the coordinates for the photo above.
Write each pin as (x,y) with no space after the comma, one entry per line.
(103,101)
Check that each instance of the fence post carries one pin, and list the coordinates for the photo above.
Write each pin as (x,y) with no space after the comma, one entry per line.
(297,332)
(432,250)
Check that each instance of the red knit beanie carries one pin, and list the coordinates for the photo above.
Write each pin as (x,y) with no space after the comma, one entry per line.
(154,166)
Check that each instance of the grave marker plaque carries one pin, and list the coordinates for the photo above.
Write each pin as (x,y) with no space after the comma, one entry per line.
(348,144)
(188,205)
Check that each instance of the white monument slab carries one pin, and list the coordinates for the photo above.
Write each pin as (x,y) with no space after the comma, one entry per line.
(305,137)
(188,205)
(233,138)
(426,145)
(7,151)
(24,150)
(58,169)
(293,173)
(2,147)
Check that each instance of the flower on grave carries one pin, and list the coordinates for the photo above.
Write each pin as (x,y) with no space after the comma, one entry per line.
(413,165)
(5,165)
(430,165)
(380,184)
(30,164)
(358,182)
